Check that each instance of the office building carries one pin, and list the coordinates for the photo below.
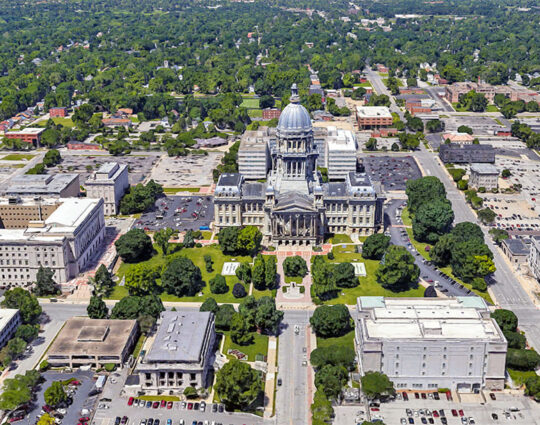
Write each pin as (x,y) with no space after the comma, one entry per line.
(457,153)
(431,343)
(109,183)
(253,153)
(534,257)
(484,175)
(93,342)
(10,319)
(27,135)
(45,185)
(341,147)
(516,250)
(181,354)
(373,117)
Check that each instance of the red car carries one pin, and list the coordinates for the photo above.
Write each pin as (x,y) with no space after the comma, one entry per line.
(47,408)
(405,396)
(460,412)
(375,409)
(163,403)
(130,401)
(448,395)
(84,419)
(169,405)
(16,418)
(435,414)
(454,412)
(74,383)
(416,395)
(155,405)
(190,406)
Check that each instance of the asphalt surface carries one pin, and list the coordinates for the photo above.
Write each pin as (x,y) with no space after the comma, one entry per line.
(433,94)
(166,207)
(392,172)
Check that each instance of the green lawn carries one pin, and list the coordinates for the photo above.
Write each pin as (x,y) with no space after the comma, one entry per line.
(159,398)
(264,293)
(406,217)
(250,103)
(206,234)
(17,157)
(66,122)
(259,346)
(519,377)
(489,108)
(485,295)
(498,121)
(255,113)
(492,108)
(346,340)
(197,256)
(340,238)
(180,189)
(419,246)
(296,279)
(366,84)
(138,346)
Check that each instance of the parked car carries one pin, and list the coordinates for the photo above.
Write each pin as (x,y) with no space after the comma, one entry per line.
(155,405)
(148,404)
(169,405)
(454,412)
(130,401)
(117,420)
(405,396)
(124,420)
(460,411)
(163,403)
(492,396)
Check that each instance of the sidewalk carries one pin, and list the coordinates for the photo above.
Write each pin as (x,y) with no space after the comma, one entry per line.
(270,383)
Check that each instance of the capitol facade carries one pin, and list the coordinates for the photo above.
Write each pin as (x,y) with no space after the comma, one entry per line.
(294,206)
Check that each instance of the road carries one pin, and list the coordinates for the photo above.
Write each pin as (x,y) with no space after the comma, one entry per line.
(507,290)
(444,104)
(292,405)
(379,87)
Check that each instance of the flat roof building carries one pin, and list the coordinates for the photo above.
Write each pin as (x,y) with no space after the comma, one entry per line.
(10,319)
(431,343)
(516,250)
(27,135)
(341,147)
(109,183)
(458,153)
(534,257)
(373,117)
(49,185)
(253,153)
(181,354)
(93,342)
(484,175)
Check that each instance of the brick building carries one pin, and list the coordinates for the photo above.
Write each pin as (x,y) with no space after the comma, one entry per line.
(373,117)
(58,112)
(27,135)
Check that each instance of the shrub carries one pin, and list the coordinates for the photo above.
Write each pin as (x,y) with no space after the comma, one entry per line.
(109,367)
(294,266)
(239,291)
(218,285)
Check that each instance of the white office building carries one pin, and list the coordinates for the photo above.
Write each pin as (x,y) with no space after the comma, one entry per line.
(484,175)
(253,153)
(534,257)
(10,319)
(109,182)
(430,343)
(341,146)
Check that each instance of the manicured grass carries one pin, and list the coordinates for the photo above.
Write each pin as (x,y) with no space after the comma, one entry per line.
(296,279)
(498,121)
(489,108)
(180,189)
(206,234)
(250,103)
(159,398)
(366,84)
(138,346)
(485,295)
(492,108)
(340,238)
(255,113)
(264,293)
(66,122)
(17,157)
(259,346)
(197,256)
(419,246)
(406,217)
(346,340)
(519,377)
(134,119)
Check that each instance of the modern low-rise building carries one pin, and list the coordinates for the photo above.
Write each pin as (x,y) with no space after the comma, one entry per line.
(27,135)
(484,175)
(341,147)
(10,319)
(45,185)
(534,257)
(461,138)
(109,183)
(516,250)
(181,354)
(93,342)
(373,117)
(431,343)
(457,153)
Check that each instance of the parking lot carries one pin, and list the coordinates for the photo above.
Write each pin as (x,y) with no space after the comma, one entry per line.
(392,172)
(140,164)
(480,125)
(80,397)
(186,171)
(176,414)
(185,212)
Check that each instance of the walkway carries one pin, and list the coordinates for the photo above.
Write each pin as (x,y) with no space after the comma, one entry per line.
(293,295)
(271,373)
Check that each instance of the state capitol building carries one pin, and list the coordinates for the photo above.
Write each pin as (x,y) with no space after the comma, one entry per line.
(294,206)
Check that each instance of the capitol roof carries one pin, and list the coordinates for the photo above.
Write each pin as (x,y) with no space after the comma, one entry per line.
(294,117)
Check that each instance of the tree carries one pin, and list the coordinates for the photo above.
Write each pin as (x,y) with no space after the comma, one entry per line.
(506,173)
(375,246)
(102,281)
(249,240)
(238,385)
(191,393)
(15,392)
(423,190)
(224,315)
(331,379)
(394,147)
(218,285)
(240,333)
(435,126)
(25,302)
(344,276)
(135,246)
(471,259)
(522,359)
(506,319)
(161,237)
(376,385)
(228,239)
(322,273)
(465,129)
(515,339)
(239,291)
(397,270)
(321,409)
(52,157)
(209,304)
(131,307)
(55,394)
(294,266)
(415,124)
(97,309)
(27,332)
(411,82)
(314,102)
(331,321)
(258,273)
(141,279)
(371,144)
(45,284)
(498,235)
(243,272)
(267,316)
(337,355)
(486,215)
(432,220)
(46,419)
(182,278)
(466,231)
(270,272)
(16,347)
(266,101)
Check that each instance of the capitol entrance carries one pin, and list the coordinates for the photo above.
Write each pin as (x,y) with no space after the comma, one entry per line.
(295,228)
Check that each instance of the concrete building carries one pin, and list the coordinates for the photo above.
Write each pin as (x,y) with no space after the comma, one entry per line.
(373,117)
(27,135)
(62,234)
(253,153)
(181,354)
(430,343)
(341,147)
(534,257)
(109,183)
(516,250)
(10,319)
(457,153)
(93,342)
(294,206)
(484,175)
(46,185)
